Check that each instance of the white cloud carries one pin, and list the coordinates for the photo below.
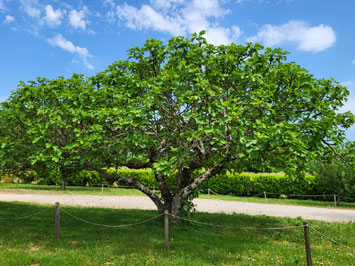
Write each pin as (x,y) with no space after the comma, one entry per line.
(53,17)
(165,4)
(9,19)
(31,8)
(61,42)
(265,1)
(180,17)
(109,3)
(77,18)
(347,83)
(148,18)
(220,35)
(307,38)
(353,62)
(349,105)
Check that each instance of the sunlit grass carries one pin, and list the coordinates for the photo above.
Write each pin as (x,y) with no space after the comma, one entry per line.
(32,241)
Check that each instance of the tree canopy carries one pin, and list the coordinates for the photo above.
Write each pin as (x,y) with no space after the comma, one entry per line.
(187,109)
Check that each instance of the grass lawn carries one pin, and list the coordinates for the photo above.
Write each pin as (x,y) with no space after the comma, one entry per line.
(313,203)
(23,188)
(32,242)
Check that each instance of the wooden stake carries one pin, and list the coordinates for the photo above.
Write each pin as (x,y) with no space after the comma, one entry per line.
(265,197)
(57,219)
(335,200)
(166,227)
(209,193)
(307,243)
(102,188)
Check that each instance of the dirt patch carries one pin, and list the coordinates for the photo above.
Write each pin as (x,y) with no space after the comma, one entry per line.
(34,248)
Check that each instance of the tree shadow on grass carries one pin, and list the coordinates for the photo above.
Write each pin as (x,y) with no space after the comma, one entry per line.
(190,244)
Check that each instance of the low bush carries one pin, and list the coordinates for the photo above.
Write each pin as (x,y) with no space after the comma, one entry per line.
(236,184)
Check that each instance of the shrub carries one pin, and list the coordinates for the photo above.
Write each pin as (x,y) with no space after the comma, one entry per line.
(327,181)
(84,178)
(47,175)
(336,177)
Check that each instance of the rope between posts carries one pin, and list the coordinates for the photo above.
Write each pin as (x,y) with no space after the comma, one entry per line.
(298,195)
(111,226)
(271,193)
(331,239)
(23,217)
(237,228)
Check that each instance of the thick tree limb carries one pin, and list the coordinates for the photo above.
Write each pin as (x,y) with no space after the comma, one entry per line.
(186,191)
(129,181)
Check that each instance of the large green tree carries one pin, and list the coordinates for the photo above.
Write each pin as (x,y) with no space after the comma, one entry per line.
(190,110)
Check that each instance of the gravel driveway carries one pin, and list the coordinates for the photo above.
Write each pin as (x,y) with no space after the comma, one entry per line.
(202,205)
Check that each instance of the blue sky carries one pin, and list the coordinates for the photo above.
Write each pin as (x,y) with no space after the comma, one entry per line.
(58,38)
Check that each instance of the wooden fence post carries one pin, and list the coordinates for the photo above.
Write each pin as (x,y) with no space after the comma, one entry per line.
(17,183)
(335,200)
(57,219)
(307,243)
(102,188)
(265,197)
(166,227)
(209,192)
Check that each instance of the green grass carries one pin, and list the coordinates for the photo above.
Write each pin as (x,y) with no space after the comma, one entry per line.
(70,189)
(32,242)
(286,201)
(22,188)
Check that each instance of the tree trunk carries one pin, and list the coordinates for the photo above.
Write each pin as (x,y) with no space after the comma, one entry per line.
(64,179)
(176,206)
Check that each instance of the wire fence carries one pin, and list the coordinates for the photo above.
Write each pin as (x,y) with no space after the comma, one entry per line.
(111,226)
(331,239)
(26,216)
(332,197)
(236,228)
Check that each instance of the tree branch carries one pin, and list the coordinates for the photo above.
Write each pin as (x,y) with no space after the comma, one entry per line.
(334,151)
(129,181)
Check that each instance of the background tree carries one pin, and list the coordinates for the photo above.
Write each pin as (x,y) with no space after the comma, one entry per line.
(190,110)
(336,175)
(42,125)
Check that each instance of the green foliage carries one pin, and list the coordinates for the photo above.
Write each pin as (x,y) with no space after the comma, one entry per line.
(47,174)
(84,178)
(145,176)
(244,184)
(179,108)
(8,178)
(336,177)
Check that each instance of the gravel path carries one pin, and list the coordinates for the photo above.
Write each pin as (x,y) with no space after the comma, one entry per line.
(202,205)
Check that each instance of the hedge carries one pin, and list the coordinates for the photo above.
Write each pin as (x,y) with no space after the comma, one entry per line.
(244,184)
